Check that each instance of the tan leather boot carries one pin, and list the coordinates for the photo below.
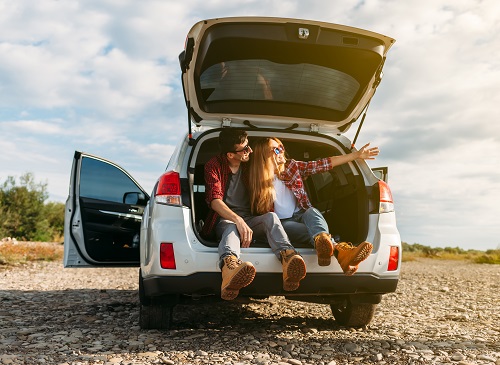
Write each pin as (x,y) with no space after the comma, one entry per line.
(350,256)
(235,275)
(324,248)
(294,269)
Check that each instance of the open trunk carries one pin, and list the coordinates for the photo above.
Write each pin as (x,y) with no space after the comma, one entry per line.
(339,194)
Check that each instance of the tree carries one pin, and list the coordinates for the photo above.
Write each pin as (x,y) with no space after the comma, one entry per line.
(23,214)
(54,213)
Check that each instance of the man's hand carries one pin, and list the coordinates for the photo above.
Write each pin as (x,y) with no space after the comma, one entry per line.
(245,231)
(225,212)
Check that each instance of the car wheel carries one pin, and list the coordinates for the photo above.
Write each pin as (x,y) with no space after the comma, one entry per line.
(155,316)
(351,314)
(143,299)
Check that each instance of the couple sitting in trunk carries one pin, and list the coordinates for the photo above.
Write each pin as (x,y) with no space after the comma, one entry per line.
(264,196)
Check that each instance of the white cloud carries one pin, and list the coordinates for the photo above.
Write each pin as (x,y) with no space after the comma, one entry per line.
(36,127)
(73,61)
(102,76)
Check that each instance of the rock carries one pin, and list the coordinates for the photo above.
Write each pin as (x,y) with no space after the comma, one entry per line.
(51,315)
(457,357)
(352,347)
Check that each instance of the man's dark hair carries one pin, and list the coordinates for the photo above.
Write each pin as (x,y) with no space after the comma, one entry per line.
(229,137)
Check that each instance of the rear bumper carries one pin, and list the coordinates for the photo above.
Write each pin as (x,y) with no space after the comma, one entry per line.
(201,284)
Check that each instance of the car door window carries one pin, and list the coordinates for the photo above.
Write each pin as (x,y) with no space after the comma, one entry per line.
(99,180)
(111,205)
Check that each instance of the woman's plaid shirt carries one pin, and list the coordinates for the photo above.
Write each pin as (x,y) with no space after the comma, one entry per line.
(295,173)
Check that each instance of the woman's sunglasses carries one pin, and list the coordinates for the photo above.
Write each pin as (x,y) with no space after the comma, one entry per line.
(278,150)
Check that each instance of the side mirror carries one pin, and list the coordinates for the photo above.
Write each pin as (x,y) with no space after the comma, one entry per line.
(382,173)
(134,198)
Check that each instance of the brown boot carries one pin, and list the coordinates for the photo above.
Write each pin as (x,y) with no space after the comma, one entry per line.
(294,269)
(324,248)
(235,275)
(350,256)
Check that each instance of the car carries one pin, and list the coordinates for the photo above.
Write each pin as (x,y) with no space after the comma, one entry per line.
(305,82)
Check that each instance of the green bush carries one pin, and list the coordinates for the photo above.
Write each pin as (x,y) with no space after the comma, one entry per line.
(24,214)
(414,251)
(490,257)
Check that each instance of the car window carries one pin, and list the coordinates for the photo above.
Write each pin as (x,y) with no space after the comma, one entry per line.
(100,180)
(301,83)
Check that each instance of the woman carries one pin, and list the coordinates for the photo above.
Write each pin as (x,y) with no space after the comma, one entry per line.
(276,184)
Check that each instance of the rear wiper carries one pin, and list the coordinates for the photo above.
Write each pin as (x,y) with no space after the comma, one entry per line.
(248,124)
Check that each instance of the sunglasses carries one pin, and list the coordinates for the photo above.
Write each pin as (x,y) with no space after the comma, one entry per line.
(245,149)
(278,150)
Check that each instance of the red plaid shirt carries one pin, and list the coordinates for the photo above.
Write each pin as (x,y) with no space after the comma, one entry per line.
(296,171)
(217,175)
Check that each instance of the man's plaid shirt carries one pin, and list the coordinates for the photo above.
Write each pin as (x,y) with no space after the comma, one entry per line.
(217,175)
(296,171)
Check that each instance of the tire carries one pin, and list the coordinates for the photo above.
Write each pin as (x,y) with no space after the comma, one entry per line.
(156,316)
(154,313)
(351,314)
(143,299)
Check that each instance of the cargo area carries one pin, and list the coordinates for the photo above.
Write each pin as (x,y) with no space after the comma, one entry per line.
(339,194)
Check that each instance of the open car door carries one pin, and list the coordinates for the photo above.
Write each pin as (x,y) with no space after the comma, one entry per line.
(103,214)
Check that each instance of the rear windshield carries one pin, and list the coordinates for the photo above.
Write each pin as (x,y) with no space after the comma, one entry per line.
(264,80)
(263,69)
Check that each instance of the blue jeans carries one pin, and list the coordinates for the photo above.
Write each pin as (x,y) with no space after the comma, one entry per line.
(267,225)
(304,225)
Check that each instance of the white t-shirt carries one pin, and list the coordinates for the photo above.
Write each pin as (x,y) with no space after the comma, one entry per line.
(286,203)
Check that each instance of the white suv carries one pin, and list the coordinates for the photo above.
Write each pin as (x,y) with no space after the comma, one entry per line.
(318,79)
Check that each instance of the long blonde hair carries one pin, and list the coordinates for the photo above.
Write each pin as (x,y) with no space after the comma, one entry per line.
(262,170)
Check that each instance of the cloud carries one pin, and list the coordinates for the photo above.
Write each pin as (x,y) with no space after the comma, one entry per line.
(102,76)
(36,127)
(74,61)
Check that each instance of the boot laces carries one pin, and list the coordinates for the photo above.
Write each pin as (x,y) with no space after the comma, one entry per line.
(344,246)
(232,263)
(287,254)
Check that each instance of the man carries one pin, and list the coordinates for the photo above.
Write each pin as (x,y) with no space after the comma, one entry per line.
(231,221)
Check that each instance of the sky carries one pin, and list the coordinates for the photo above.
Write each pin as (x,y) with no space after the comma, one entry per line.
(102,76)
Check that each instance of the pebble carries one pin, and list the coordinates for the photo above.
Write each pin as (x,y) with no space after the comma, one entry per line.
(443,312)
(352,347)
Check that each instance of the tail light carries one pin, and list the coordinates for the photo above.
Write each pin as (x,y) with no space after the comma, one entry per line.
(393,259)
(386,204)
(167,257)
(168,190)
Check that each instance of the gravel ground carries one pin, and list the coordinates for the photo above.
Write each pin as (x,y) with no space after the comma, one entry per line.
(443,312)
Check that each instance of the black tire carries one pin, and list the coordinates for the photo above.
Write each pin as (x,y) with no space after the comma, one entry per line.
(154,313)
(156,316)
(143,299)
(351,314)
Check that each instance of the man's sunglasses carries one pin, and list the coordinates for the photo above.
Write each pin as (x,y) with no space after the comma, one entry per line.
(245,149)
(278,150)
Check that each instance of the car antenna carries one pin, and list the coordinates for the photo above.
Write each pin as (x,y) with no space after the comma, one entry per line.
(360,125)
